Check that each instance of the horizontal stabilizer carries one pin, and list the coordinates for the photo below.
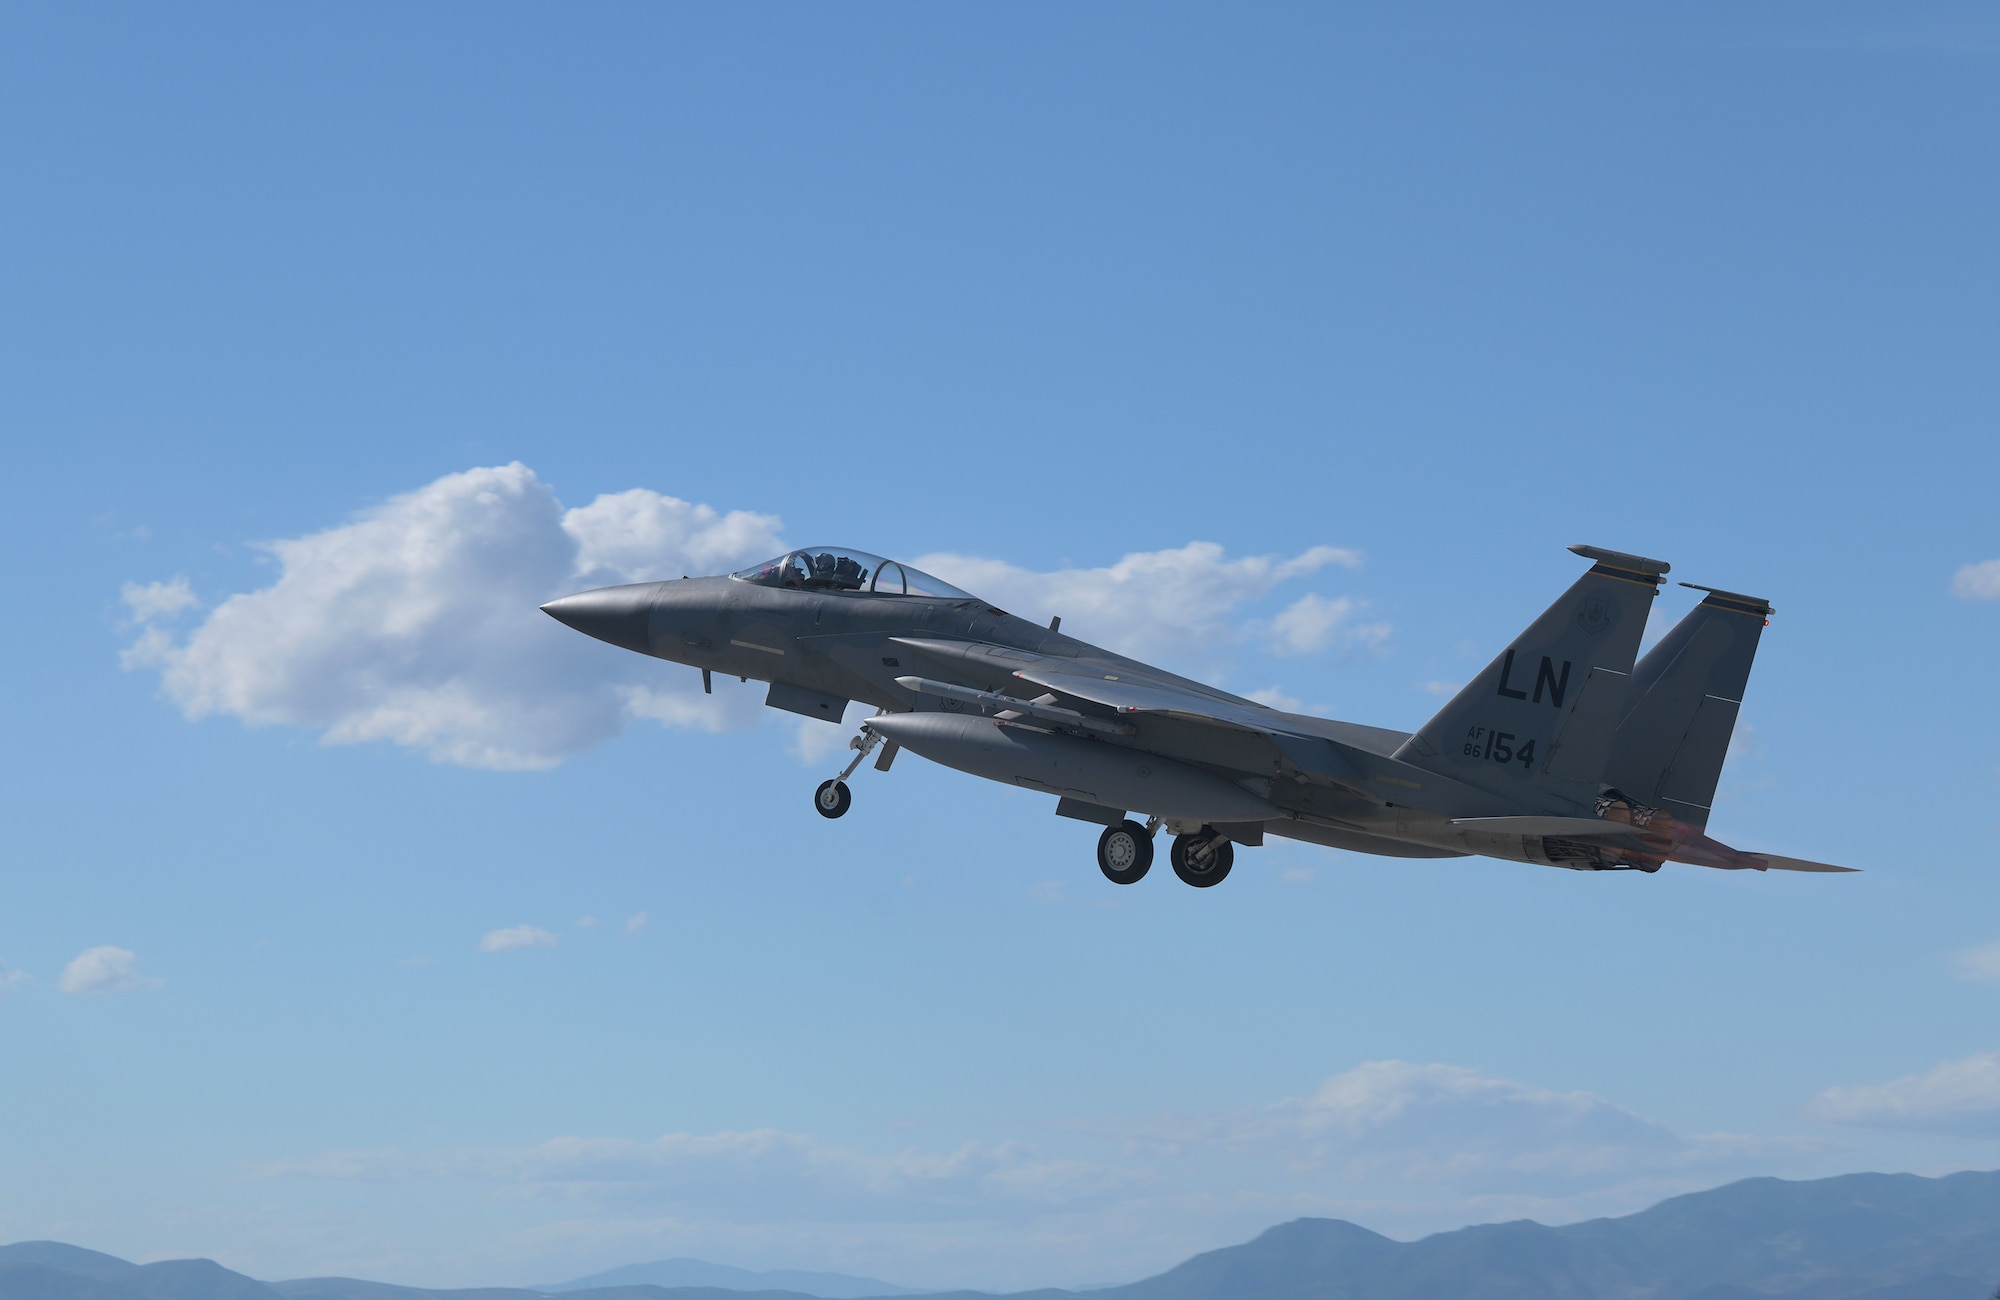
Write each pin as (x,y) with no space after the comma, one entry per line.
(1569,828)
(1692,846)
(1773,862)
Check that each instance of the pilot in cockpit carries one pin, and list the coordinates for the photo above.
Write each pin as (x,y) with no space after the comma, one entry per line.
(840,572)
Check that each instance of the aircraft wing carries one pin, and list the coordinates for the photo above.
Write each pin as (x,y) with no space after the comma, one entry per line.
(1091,683)
(1314,757)
(1125,695)
(1130,696)
(1697,848)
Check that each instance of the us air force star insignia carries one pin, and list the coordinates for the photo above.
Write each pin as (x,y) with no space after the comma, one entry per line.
(1595,616)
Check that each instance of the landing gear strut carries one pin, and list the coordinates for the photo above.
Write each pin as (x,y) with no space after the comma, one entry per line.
(1125,853)
(833,798)
(1202,859)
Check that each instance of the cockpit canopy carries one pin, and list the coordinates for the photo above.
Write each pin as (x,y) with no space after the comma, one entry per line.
(835,568)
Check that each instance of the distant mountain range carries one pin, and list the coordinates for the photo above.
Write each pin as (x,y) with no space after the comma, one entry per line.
(1860,1237)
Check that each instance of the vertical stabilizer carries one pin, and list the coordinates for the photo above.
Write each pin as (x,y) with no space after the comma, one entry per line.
(1682,707)
(1537,724)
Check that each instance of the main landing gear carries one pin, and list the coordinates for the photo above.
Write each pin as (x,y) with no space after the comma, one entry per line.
(1201,858)
(833,798)
(1125,852)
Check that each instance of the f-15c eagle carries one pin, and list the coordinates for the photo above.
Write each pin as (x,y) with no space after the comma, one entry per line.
(1564,751)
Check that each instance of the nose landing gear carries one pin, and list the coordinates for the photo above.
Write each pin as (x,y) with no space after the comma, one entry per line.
(833,798)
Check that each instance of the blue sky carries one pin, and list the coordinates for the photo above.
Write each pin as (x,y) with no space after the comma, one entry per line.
(359,919)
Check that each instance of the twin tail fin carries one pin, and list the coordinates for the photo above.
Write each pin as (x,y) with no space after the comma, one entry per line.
(1681,709)
(1537,724)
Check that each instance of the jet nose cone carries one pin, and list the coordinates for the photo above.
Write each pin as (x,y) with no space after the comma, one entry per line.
(618,615)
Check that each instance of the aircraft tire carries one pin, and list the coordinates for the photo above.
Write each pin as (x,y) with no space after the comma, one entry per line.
(1202,860)
(1125,853)
(832,799)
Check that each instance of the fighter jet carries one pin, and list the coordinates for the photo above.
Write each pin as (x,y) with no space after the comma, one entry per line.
(1566,751)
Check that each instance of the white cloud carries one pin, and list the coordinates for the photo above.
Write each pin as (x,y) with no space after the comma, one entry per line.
(1274,698)
(1372,637)
(153,647)
(417,623)
(1170,606)
(680,703)
(11,978)
(1393,1122)
(1296,875)
(1443,689)
(1978,581)
(814,741)
(516,937)
(157,600)
(1981,965)
(105,970)
(1312,624)
(641,536)
(637,922)
(586,922)
(1961,1098)
(1309,624)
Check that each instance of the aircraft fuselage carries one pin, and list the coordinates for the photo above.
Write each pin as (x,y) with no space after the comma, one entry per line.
(966,684)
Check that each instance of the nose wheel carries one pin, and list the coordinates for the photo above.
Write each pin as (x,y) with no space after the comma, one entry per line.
(1125,853)
(1202,859)
(833,798)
